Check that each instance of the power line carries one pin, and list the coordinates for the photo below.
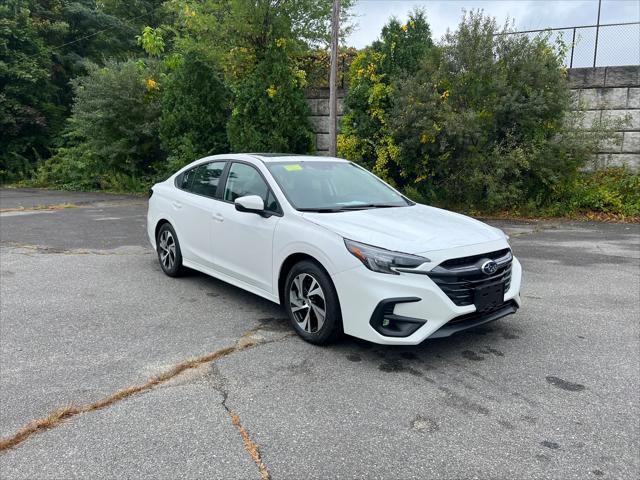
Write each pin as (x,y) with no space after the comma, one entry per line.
(80,39)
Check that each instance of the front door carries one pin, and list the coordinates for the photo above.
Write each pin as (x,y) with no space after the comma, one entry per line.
(244,241)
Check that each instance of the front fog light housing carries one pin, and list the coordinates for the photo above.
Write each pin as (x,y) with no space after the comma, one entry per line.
(381,260)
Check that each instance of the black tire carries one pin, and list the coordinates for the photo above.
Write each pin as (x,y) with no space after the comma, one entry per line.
(303,274)
(172,268)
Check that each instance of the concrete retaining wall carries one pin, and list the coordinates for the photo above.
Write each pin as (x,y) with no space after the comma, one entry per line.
(319,104)
(604,93)
(611,94)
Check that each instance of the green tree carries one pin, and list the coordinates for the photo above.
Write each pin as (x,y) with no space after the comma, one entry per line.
(195,110)
(28,111)
(44,44)
(92,32)
(259,44)
(270,111)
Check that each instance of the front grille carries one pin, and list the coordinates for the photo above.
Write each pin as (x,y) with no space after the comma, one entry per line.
(470,261)
(459,278)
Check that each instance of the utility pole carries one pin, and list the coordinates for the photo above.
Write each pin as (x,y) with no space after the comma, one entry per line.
(333,80)
(595,50)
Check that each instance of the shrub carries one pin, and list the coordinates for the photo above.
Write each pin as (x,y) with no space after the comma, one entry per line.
(614,191)
(484,124)
(113,130)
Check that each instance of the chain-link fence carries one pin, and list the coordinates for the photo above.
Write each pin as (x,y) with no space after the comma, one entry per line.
(606,45)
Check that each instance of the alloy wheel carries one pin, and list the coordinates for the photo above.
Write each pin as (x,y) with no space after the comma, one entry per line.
(307,303)
(167,246)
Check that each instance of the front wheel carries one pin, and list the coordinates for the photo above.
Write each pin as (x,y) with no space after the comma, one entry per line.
(168,248)
(312,303)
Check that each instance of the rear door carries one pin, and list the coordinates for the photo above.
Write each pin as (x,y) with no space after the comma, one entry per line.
(193,210)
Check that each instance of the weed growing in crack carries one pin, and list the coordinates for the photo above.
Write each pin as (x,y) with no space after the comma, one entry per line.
(56,417)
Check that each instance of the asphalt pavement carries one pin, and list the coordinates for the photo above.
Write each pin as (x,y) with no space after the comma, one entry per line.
(85,311)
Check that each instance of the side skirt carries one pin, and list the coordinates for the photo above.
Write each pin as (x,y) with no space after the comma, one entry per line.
(230,280)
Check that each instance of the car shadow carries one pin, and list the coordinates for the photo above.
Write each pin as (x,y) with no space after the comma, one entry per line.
(470,347)
(474,345)
(218,290)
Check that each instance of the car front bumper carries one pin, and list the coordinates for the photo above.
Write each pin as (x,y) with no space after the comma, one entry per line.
(411,298)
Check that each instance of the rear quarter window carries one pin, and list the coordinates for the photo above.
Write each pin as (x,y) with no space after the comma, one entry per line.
(184,180)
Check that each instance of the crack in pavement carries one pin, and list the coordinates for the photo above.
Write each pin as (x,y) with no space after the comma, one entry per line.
(246,341)
(252,448)
(219,383)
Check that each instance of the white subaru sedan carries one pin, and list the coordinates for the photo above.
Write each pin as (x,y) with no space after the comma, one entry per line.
(339,249)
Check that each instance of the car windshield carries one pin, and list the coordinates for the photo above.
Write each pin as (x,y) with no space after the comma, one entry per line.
(330,186)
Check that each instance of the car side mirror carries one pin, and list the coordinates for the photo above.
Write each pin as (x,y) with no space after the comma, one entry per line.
(250,204)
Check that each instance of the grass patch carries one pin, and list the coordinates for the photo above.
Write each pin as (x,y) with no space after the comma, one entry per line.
(59,206)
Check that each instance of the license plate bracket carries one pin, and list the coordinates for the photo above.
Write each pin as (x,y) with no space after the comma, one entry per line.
(488,297)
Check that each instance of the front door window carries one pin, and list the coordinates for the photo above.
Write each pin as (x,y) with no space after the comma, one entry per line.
(245,180)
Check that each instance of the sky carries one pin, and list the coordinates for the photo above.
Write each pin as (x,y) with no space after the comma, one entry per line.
(619,46)
(371,15)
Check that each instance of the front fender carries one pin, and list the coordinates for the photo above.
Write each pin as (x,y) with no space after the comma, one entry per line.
(323,245)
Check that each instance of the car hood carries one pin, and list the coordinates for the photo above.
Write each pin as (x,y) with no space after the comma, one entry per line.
(413,229)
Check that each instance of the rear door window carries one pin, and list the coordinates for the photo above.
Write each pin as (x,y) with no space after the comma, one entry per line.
(206,179)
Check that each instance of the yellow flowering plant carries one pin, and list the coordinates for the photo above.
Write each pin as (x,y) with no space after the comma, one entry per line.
(373,78)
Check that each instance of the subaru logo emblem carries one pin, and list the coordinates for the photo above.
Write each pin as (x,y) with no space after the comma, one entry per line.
(489,267)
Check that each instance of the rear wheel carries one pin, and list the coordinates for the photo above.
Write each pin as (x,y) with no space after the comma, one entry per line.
(312,303)
(168,249)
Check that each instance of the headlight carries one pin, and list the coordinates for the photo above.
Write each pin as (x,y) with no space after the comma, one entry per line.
(381,260)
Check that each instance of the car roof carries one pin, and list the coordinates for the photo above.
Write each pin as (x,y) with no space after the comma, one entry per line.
(289,157)
(260,157)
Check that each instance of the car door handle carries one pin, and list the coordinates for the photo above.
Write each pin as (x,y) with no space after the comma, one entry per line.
(176,205)
(217,217)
